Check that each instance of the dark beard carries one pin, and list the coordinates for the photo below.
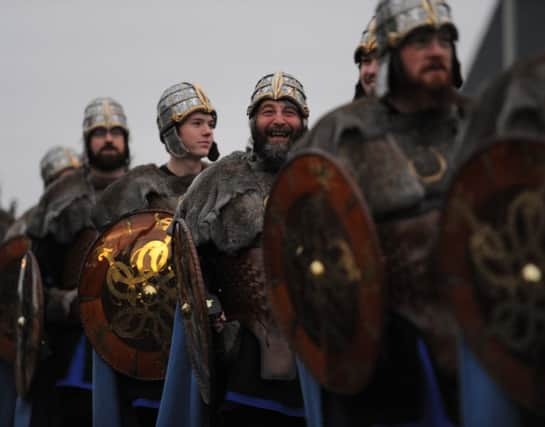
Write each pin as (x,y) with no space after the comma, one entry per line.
(274,155)
(107,162)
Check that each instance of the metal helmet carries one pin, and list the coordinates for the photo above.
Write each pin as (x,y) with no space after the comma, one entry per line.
(175,105)
(368,42)
(277,86)
(103,112)
(57,160)
(395,19)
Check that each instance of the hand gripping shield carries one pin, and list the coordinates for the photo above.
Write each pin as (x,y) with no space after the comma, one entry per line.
(195,307)
(492,253)
(11,254)
(127,294)
(29,312)
(325,271)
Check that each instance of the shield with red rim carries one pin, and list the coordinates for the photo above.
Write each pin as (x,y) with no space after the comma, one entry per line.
(492,254)
(325,271)
(127,294)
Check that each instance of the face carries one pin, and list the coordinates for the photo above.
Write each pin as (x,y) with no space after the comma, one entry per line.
(368,73)
(197,133)
(107,148)
(278,124)
(426,55)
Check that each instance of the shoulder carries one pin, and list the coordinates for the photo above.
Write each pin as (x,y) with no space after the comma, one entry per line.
(227,168)
(128,193)
(64,207)
(366,116)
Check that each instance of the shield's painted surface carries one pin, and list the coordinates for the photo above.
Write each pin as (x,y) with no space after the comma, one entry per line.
(492,250)
(127,293)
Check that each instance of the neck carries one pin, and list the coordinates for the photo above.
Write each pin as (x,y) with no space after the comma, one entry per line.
(415,99)
(185,166)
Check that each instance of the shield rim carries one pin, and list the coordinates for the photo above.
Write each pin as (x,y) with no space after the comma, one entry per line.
(26,369)
(524,387)
(10,348)
(90,306)
(197,296)
(321,364)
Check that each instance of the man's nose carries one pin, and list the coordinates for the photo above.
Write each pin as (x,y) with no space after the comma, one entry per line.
(436,47)
(207,129)
(279,118)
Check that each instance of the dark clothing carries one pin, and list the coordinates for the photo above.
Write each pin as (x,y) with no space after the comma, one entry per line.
(60,396)
(224,211)
(144,187)
(402,164)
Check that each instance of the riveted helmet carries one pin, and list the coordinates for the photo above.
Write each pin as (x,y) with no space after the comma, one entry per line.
(368,42)
(278,86)
(176,104)
(104,112)
(56,161)
(396,19)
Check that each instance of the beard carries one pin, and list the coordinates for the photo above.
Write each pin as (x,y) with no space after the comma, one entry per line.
(108,158)
(274,155)
(439,88)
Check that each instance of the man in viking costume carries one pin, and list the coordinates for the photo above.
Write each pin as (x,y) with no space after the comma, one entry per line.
(254,380)
(400,148)
(145,293)
(59,392)
(57,162)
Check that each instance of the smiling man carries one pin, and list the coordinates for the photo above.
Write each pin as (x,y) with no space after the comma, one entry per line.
(256,381)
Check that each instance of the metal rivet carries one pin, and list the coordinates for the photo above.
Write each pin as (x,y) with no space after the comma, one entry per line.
(531,273)
(317,268)
(186,309)
(21,321)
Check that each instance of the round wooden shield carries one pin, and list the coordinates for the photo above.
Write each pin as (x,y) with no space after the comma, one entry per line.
(127,294)
(195,307)
(325,271)
(11,253)
(30,322)
(492,251)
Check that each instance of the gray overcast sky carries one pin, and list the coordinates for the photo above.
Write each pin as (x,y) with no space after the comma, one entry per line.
(57,55)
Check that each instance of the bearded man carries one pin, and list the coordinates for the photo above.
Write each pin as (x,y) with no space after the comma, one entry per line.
(60,392)
(256,382)
(401,148)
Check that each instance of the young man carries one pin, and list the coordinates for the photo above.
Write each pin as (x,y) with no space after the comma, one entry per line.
(365,57)
(400,147)
(186,120)
(61,388)
(256,382)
